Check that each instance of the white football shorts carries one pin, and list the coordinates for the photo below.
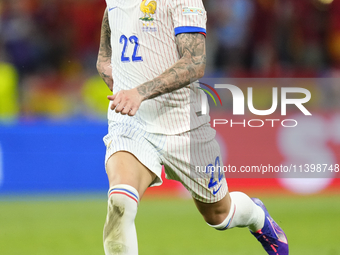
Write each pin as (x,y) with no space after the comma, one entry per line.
(193,157)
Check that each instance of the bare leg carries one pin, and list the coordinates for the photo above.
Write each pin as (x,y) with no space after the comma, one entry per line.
(128,180)
(214,213)
(236,209)
(124,168)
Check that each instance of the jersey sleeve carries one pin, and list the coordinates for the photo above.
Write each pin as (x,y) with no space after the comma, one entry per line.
(189,16)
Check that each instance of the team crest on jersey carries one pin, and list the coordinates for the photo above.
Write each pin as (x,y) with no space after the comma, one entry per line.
(148,10)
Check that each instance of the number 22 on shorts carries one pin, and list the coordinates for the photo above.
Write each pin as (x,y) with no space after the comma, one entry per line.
(213,183)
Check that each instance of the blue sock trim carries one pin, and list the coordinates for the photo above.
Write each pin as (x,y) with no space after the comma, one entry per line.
(128,191)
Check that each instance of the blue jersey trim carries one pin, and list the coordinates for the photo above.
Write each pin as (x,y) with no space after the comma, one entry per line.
(189,29)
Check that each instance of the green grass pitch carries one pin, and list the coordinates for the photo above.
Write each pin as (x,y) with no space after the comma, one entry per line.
(73,226)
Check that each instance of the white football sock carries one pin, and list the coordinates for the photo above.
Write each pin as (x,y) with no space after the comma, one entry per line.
(243,213)
(120,235)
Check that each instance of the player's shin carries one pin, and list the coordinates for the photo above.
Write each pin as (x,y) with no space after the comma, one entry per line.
(243,213)
(119,231)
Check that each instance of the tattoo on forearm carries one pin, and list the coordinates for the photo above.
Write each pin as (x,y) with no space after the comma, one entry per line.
(105,50)
(191,47)
(104,76)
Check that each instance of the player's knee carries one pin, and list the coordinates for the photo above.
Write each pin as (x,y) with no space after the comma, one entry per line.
(121,212)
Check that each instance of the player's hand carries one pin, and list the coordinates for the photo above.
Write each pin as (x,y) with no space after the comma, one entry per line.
(126,101)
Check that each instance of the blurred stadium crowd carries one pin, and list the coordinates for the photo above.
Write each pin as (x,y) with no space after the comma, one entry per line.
(48,50)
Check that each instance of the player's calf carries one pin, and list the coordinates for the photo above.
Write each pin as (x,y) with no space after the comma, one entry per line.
(119,230)
(243,213)
(251,213)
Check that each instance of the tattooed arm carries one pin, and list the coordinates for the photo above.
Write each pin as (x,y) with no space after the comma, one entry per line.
(104,56)
(188,68)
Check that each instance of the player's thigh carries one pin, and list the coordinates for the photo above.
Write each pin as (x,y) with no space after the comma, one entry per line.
(124,168)
(194,159)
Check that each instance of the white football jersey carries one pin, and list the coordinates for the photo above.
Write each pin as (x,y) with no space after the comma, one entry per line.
(143,47)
